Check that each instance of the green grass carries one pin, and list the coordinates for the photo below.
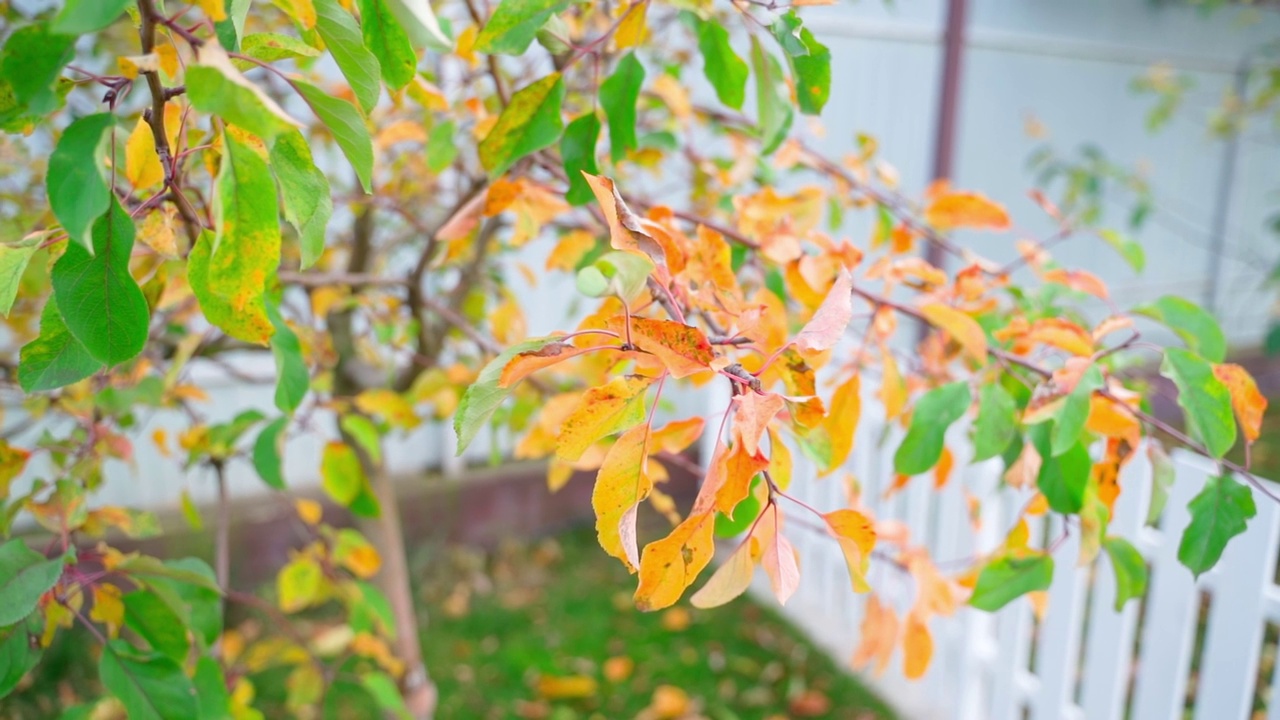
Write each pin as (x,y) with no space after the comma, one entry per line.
(503,628)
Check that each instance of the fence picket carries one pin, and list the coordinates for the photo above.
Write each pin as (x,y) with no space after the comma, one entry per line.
(1059,650)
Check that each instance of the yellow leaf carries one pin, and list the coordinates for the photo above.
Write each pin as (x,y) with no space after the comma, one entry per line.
(107,609)
(842,421)
(570,687)
(668,703)
(161,439)
(963,329)
(309,510)
(570,249)
(215,9)
(621,485)
(780,463)
(1109,419)
(675,436)
(966,210)
(1062,334)
(12,462)
(390,405)
(729,580)
(879,635)
(158,231)
(602,411)
(857,538)
(893,391)
(355,553)
(142,165)
(302,11)
(131,66)
(670,565)
(917,647)
(167,56)
(298,584)
(632,29)
(1249,404)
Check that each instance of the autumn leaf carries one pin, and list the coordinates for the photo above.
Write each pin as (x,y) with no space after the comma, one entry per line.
(530,361)
(621,485)
(857,538)
(729,581)
(142,165)
(831,318)
(879,636)
(670,565)
(683,349)
(966,210)
(779,557)
(963,329)
(1080,280)
(1248,403)
(917,647)
(1062,334)
(842,420)
(602,411)
(751,416)
(626,229)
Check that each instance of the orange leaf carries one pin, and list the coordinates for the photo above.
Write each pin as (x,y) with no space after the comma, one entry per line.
(752,415)
(1062,334)
(566,688)
(857,538)
(1109,419)
(729,479)
(625,229)
(729,580)
(1079,280)
(962,328)
(831,318)
(683,349)
(675,436)
(571,248)
(621,485)
(529,362)
(602,411)
(670,565)
(893,391)
(1249,404)
(966,210)
(842,420)
(879,633)
(942,471)
(917,647)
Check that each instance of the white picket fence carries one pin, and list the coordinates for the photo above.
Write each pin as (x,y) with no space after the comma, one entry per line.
(1084,661)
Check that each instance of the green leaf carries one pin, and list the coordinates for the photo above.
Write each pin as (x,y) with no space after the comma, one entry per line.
(211,688)
(1063,478)
(151,687)
(230,31)
(934,412)
(786,30)
(1071,417)
(201,607)
(1197,328)
(812,74)
(726,72)
(293,379)
(81,17)
(1130,569)
(529,123)
(1129,249)
(154,621)
(270,47)
(997,422)
(773,109)
(619,94)
(147,569)
(33,58)
(1218,513)
(420,22)
(342,36)
(25,575)
(484,396)
(308,202)
(19,653)
(77,179)
(268,452)
(386,694)
(100,302)
(578,150)
(365,434)
(513,25)
(441,148)
(341,474)
(246,246)
(216,87)
(348,128)
(1162,477)
(1204,399)
(1007,578)
(14,258)
(249,323)
(389,42)
(55,358)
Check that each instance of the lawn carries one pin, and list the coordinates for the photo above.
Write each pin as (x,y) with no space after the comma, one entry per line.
(547,631)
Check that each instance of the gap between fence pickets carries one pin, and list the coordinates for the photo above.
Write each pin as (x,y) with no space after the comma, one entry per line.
(981,668)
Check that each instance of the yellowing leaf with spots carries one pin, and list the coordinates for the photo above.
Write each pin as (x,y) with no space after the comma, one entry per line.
(1249,404)
(670,565)
(621,485)
(299,584)
(963,329)
(683,349)
(1062,334)
(390,406)
(531,361)
(602,411)
(857,538)
(246,246)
